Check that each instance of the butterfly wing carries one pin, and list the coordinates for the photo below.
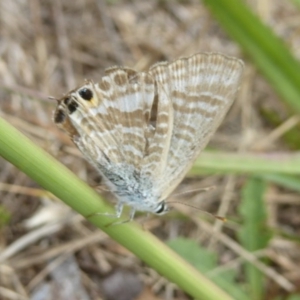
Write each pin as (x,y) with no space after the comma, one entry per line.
(111,122)
(202,89)
(143,131)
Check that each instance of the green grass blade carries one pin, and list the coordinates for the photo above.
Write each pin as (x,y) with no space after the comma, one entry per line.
(268,52)
(206,261)
(253,234)
(251,163)
(286,181)
(56,178)
(297,3)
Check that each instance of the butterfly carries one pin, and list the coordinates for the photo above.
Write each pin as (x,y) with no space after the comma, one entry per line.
(142,131)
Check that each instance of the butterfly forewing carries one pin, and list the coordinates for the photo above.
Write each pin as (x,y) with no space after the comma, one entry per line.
(202,88)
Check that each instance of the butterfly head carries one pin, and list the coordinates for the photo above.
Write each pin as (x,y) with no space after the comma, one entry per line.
(161,208)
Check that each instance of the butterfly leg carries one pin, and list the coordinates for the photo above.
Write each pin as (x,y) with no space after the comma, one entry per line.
(119,209)
(131,216)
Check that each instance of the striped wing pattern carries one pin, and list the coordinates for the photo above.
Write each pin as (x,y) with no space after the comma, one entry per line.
(143,131)
(201,89)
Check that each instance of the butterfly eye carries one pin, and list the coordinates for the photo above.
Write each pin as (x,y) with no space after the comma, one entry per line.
(161,208)
(86,94)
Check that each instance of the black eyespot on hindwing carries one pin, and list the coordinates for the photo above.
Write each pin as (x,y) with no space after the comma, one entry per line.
(72,106)
(86,94)
(59,116)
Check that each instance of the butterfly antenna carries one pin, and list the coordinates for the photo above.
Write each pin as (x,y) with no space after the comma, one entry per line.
(52,98)
(206,189)
(197,208)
